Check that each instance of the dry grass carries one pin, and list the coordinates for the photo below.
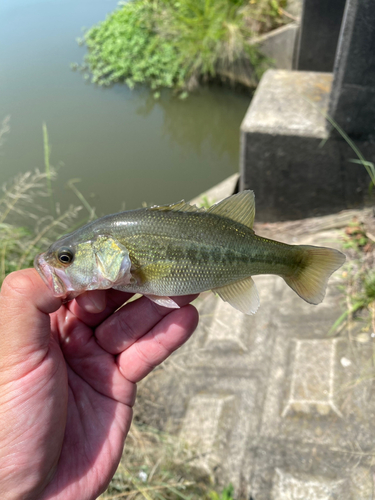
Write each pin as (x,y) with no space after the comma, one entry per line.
(30,220)
(26,226)
(156,466)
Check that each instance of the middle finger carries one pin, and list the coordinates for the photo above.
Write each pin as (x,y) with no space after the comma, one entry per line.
(131,322)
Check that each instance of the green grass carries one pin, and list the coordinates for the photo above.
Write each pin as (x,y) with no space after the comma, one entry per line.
(367,165)
(361,294)
(177,44)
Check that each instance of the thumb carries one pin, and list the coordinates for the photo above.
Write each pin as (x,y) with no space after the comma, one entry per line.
(25,305)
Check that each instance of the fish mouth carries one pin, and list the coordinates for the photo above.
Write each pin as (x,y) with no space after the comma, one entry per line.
(55,279)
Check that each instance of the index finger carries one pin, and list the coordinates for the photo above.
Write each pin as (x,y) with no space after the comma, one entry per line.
(106,302)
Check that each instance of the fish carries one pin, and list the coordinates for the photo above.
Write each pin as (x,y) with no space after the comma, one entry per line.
(180,249)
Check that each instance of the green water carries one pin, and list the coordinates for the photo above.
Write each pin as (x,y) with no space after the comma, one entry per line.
(125,147)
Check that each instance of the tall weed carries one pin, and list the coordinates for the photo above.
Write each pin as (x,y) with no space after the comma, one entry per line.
(26,226)
(28,223)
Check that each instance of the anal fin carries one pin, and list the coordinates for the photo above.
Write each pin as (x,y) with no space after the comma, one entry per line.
(242,295)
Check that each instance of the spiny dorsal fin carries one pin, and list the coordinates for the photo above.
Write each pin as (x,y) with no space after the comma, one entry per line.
(239,207)
(242,295)
(181,206)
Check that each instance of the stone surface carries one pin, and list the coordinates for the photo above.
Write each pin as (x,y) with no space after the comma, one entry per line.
(203,424)
(282,157)
(319,34)
(312,385)
(294,8)
(353,92)
(267,399)
(302,487)
(283,104)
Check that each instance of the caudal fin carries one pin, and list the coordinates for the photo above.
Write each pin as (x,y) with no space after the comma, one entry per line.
(309,281)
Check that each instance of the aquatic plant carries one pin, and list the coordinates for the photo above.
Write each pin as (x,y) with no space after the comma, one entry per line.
(177,44)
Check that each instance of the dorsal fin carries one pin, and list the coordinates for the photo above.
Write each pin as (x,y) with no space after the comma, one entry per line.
(181,206)
(239,207)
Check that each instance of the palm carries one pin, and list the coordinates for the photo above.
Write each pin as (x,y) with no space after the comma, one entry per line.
(96,424)
(80,388)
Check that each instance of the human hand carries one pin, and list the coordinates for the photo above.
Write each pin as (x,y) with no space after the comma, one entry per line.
(67,383)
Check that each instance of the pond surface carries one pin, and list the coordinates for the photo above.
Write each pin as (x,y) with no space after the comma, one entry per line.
(125,147)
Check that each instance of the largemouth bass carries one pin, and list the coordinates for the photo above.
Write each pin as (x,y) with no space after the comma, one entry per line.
(180,249)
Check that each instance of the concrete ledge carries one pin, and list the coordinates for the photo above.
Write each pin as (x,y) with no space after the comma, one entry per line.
(284,104)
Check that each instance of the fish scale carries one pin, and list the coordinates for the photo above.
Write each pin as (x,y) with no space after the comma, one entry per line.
(194,265)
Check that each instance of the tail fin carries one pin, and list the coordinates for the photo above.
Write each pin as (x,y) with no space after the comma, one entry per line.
(310,279)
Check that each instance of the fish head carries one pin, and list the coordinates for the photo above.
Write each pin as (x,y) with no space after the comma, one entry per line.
(70,266)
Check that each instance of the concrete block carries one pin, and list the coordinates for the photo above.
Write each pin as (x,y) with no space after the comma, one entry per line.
(279,45)
(353,91)
(282,158)
(319,34)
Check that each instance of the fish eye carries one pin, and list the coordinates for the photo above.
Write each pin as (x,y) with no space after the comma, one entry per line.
(65,255)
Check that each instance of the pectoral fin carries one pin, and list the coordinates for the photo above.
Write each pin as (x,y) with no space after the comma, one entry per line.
(242,295)
(152,272)
(163,301)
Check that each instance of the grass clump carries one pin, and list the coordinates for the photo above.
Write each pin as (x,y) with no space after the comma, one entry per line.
(359,244)
(177,44)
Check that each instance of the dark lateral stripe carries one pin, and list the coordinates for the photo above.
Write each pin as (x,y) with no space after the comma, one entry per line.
(203,255)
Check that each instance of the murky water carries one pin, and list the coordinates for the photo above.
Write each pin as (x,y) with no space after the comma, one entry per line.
(125,147)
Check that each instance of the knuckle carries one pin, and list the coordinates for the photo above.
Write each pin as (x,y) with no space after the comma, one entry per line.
(144,358)
(17,283)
